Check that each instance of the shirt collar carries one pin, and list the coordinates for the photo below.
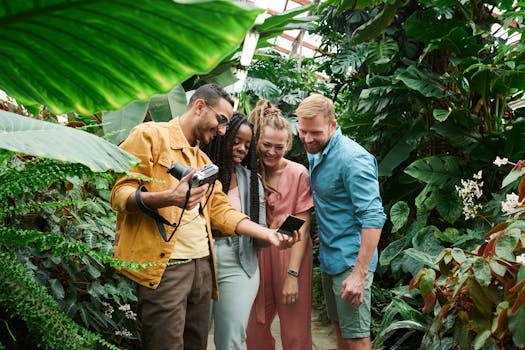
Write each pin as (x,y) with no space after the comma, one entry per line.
(314,159)
(177,138)
(333,140)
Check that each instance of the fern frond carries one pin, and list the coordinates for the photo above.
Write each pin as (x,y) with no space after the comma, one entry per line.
(24,298)
(22,179)
(60,246)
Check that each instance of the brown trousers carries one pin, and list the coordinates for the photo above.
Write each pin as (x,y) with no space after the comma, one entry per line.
(176,314)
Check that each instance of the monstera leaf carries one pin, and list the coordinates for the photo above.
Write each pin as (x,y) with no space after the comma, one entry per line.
(43,139)
(90,56)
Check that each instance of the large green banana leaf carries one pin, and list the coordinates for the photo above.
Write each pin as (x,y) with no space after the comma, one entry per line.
(163,107)
(44,139)
(89,56)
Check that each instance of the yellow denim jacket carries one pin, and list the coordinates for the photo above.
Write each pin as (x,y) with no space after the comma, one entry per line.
(137,239)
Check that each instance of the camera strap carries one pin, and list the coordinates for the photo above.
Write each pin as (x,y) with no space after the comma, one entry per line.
(154,213)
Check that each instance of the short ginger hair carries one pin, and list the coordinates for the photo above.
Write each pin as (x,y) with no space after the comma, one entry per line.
(315,105)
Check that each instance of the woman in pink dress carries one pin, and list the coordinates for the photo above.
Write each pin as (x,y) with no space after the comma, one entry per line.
(286,276)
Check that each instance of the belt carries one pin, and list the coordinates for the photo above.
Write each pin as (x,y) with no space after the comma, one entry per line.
(184,261)
(219,234)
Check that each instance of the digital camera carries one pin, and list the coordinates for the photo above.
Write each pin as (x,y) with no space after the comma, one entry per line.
(208,174)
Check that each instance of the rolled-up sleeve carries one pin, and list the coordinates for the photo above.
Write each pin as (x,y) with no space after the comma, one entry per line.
(361,182)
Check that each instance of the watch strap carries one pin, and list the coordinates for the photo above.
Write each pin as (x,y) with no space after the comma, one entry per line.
(293,272)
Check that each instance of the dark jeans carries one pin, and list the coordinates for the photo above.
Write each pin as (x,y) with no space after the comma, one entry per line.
(176,314)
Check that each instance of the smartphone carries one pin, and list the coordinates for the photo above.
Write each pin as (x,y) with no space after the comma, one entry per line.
(291,224)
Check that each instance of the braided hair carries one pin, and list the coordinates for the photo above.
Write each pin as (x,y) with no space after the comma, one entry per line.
(220,151)
(266,114)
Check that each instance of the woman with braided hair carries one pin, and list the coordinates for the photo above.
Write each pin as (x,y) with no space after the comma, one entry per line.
(237,267)
(286,277)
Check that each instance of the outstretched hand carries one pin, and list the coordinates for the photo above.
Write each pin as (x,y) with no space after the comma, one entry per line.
(283,241)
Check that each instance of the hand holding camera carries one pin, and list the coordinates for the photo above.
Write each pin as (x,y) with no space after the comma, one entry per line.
(206,175)
(193,184)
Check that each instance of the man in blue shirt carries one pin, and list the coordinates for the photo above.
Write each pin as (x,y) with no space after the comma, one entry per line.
(350,217)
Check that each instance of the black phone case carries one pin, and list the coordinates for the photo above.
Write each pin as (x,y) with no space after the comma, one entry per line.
(291,224)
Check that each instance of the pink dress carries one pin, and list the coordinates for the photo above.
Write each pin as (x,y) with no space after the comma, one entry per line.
(293,196)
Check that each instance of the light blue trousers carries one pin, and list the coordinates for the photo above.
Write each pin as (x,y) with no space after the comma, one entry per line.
(237,292)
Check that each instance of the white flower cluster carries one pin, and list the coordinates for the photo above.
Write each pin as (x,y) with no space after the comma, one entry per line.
(511,203)
(123,333)
(521,259)
(127,312)
(469,192)
(501,161)
(108,309)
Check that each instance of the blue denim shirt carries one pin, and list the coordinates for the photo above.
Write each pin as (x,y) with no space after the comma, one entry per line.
(343,179)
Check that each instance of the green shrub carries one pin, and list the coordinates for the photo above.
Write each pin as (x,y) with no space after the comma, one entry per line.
(477,297)
(57,276)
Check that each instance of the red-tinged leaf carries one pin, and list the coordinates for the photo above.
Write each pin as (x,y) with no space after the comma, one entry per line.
(497,228)
(519,165)
(69,186)
(430,302)
(444,269)
(444,310)
(519,301)
(490,248)
(414,282)
(427,282)
(518,286)
(502,324)
(521,189)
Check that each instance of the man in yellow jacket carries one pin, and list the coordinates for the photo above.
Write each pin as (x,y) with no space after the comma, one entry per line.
(174,295)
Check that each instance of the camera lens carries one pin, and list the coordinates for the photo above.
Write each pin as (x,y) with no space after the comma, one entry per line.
(178,170)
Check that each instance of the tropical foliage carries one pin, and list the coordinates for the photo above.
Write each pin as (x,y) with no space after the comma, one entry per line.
(58,287)
(428,88)
(58,225)
(432,88)
(105,54)
(478,298)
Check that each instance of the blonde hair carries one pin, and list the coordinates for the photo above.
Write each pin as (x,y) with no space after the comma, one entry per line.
(315,105)
(266,114)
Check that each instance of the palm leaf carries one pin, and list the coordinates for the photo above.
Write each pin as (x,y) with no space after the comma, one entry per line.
(262,88)
(93,55)
(44,139)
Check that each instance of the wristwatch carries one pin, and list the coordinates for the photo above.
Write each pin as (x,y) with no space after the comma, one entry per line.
(293,272)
